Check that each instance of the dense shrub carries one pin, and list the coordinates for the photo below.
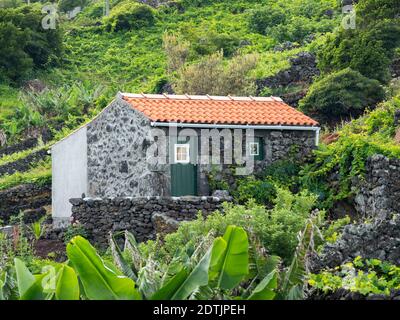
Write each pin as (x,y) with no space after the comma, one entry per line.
(67,5)
(360,52)
(213,42)
(342,94)
(262,19)
(43,47)
(130,15)
(276,229)
(345,159)
(262,191)
(14,61)
(212,76)
(369,48)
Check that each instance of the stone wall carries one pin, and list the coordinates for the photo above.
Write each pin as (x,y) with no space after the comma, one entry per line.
(143,216)
(278,145)
(377,200)
(44,135)
(23,164)
(379,194)
(28,198)
(379,239)
(117,143)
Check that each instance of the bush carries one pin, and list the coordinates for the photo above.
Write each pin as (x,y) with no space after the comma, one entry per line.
(15,63)
(276,229)
(341,95)
(360,52)
(68,5)
(369,48)
(212,76)
(346,158)
(213,42)
(21,31)
(73,230)
(130,15)
(261,19)
(262,191)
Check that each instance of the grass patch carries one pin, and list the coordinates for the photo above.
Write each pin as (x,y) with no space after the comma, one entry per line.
(40,174)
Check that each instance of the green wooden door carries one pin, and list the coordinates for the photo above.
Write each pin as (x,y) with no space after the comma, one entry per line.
(183,179)
(184,168)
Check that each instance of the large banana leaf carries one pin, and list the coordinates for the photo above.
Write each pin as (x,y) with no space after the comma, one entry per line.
(265,289)
(3,280)
(197,278)
(99,282)
(67,287)
(167,291)
(230,258)
(120,261)
(293,282)
(181,286)
(29,286)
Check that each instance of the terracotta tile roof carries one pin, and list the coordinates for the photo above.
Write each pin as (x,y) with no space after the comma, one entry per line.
(217,110)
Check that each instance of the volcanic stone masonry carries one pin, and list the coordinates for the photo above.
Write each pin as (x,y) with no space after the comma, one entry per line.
(28,198)
(378,200)
(143,216)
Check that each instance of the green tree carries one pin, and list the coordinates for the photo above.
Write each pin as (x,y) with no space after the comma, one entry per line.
(15,63)
(130,15)
(342,94)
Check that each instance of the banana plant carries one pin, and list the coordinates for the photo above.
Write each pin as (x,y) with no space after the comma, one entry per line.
(219,272)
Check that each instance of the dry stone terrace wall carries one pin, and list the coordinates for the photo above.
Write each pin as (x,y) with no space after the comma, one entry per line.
(23,164)
(143,216)
(378,199)
(31,198)
(379,194)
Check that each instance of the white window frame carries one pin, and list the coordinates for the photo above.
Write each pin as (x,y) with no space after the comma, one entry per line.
(185,146)
(251,144)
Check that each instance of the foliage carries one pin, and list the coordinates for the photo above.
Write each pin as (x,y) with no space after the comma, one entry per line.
(68,5)
(369,276)
(212,76)
(369,48)
(130,15)
(14,61)
(73,230)
(276,229)
(87,276)
(346,158)
(262,191)
(177,51)
(40,174)
(342,94)
(37,228)
(331,233)
(21,31)
(262,19)
(17,246)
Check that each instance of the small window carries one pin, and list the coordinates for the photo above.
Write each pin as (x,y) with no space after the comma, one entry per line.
(256,149)
(182,153)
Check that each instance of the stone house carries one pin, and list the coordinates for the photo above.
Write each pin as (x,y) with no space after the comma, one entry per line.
(165,145)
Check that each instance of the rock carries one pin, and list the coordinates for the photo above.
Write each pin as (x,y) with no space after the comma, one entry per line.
(222,194)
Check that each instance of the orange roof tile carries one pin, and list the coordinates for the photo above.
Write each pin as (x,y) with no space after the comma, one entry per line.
(217,110)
